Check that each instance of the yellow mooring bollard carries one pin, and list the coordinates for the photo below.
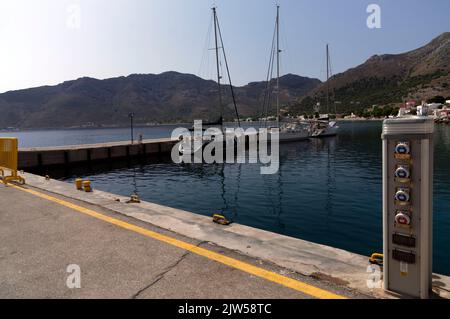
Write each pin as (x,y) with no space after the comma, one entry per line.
(79,184)
(134,199)
(87,186)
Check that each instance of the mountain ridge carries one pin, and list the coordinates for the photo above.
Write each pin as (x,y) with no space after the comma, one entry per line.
(168,97)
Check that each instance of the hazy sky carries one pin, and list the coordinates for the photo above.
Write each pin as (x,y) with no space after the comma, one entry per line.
(45,42)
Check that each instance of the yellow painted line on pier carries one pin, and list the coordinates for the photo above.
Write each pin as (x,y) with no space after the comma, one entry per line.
(231,262)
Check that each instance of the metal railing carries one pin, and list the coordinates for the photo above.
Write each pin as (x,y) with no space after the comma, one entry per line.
(9,149)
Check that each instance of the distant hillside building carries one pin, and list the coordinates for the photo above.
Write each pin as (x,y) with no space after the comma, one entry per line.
(351,116)
(410,104)
(442,114)
(422,109)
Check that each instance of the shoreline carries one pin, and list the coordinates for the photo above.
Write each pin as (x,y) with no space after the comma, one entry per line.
(19,130)
(89,128)
(361,120)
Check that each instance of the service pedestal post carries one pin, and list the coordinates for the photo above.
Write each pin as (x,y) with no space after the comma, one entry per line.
(408,205)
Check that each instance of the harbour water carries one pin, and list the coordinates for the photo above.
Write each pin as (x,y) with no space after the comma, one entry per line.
(85,135)
(327,191)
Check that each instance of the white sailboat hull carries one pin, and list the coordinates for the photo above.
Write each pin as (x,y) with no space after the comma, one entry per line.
(293,137)
(330,130)
(292,133)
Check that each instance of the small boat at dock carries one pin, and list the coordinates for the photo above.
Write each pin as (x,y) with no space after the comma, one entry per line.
(323,127)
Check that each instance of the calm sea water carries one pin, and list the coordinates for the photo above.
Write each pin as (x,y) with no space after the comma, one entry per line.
(327,191)
(85,136)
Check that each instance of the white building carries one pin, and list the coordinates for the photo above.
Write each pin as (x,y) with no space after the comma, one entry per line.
(444,113)
(423,110)
(351,116)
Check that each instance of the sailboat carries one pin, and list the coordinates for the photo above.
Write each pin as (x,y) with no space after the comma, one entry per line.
(290,130)
(323,127)
(194,143)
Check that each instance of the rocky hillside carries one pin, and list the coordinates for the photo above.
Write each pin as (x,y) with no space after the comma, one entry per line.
(163,98)
(383,79)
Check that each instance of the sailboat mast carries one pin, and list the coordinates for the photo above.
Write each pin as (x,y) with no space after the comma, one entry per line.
(328,83)
(278,65)
(217,64)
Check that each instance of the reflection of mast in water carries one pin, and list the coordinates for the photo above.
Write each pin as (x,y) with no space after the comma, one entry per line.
(226,206)
(330,174)
(277,204)
(331,184)
(236,194)
(280,198)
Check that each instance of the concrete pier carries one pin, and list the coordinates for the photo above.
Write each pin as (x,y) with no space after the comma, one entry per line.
(147,250)
(42,157)
(37,157)
(122,257)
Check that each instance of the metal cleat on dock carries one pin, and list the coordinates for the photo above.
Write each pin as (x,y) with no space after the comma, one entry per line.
(376,259)
(134,199)
(221,220)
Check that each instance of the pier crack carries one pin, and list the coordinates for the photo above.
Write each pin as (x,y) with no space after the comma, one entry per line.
(161,275)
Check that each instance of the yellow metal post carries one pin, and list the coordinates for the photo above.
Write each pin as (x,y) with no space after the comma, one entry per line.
(9,149)
(79,184)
